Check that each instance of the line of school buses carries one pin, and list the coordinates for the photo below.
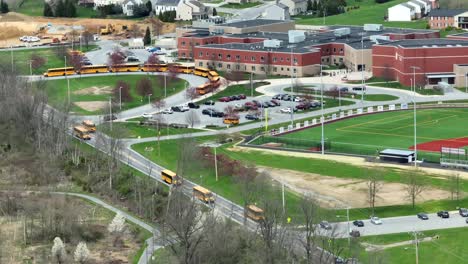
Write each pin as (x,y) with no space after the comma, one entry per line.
(206,196)
(213,76)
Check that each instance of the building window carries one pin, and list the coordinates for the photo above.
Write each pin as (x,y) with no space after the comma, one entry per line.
(262,68)
(238,67)
(200,64)
(287,59)
(334,49)
(295,60)
(207,54)
(262,59)
(228,66)
(245,67)
(275,69)
(327,50)
(282,69)
(341,59)
(253,58)
(220,56)
(228,57)
(294,70)
(183,43)
(246,58)
(328,60)
(220,65)
(197,44)
(237,57)
(253,68)
(201,54)
(341,50)
(275,59)
(281,59)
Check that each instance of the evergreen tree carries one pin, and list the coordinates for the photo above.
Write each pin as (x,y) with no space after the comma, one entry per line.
(71,9)
(59,9)
(147,38)
(4,7)
(314,6)
(48,10)
(66,11)
(215,13)
(149,6)
(309,5)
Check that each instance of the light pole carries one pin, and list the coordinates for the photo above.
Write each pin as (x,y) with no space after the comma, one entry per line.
(414,114)
(466,82)
(292,89)
(149,98)
(120,97)
(165,85)
(68,81)
(30,72)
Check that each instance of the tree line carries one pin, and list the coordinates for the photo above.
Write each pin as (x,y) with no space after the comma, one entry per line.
(60,8)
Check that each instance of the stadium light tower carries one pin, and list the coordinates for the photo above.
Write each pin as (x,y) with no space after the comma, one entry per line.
(414,114)
(322,118)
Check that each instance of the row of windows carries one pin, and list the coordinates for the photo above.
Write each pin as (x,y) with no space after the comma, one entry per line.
(238,67)
(334,50)
(439,25)
(238,57)
(334,60)
(439,18)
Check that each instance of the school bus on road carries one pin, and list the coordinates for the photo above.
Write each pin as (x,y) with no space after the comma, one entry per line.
(89,125)
(201,71)
(81,132)
(203,194)
(231,120)
(128,67)
(93,69)
(204,88)
(59,72)
(254,213)
(170,177)
(213,76)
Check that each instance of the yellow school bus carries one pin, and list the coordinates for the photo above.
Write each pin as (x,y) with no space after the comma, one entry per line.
(203,194)
(204,88)
(184,69)
(254,213)
(212,75)
(128,67)
(231,120)
(170,177)
(81,132)
(88,124)
(59,72)
(201,71)
(93,69)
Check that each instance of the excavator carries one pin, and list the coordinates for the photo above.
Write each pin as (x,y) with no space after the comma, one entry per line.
(109,29)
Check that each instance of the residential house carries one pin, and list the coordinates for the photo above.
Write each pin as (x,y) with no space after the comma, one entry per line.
(419,8)
(401,12)
(98,3)
(277,11)
(164,5)
(427,5)
(442,18)
(191,10)
(129,5)
(296,7)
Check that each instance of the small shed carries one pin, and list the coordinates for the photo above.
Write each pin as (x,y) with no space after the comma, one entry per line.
(396,155)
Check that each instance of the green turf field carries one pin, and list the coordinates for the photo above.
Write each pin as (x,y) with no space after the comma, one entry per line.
(371,133)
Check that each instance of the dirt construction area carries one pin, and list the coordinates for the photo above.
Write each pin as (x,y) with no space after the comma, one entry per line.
(14,25)
(94,90)
(92,106)
(339,193)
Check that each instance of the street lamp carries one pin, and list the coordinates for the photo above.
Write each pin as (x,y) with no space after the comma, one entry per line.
(110,112)
(347,220)
(149,98)
(214,146)
(322,118)
(414,114)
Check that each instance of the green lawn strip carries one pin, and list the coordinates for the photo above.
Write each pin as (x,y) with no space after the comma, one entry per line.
(135,130)
(380,97)
(309,90)
(368,134)
(236,90)
(163,255)
(398,85)
(36,8)
(57,90)
(246,76)
(241,6)
(369,12)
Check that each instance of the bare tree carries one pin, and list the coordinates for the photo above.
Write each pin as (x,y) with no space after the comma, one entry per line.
(37,61)
(159,103)
(191,93)
(58,250)
(414,186)
(135,31)
(153,59)
(86,38)
(157,26)
(144,87)
(117,227)
(373,186)
(310,211)
(122,90)
(192,118)
(117,56)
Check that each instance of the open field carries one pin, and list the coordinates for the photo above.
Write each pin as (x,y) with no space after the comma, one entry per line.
(371,133)
(99,89)
(135,130)
(369,12)
(36,8)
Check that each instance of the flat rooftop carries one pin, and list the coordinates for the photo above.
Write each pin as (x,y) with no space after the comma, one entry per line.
(421,43)
(463,35)
(251,23)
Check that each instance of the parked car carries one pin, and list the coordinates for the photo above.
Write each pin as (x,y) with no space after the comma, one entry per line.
(147,115)
(277,97)
(251,117)
(167,111)
(177,109)
(423,216)
(466,220)
(354,233)
(218,114)
(242,96)
(193,105)
(286,110)
(109,117)
(344,89)
(224,99)
(302,106)
(276,102)
(257,103)
(184,108)
(463,212)
(286,97)
(265,105)
(209,102)
(209,111)
(443,214)
(233,98)
(250,106)
(298,99)
(358,223)
(87,63)
(375,220)
(270,104)
(325,225)
(132,59)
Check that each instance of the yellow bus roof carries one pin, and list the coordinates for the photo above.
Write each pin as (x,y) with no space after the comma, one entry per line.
(80,129)
(255,208)
(202,69)
(126,65)
(214,73)
(60,69)
(170,173)
(88,123)
(93,66)
(201,189)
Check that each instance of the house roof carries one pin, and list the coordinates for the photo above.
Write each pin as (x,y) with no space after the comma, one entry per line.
(166,2)
(446,12)
(421,5)
(196,3)
(282,5)
(418,43)
(408,6)
(251,23)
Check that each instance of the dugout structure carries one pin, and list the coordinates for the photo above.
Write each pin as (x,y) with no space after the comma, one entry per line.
(453,157)
(396,155)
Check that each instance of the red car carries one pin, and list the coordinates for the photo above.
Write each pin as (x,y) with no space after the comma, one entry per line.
(242,96)
(224,99)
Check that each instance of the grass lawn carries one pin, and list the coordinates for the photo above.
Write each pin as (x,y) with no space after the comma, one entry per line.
(235,90)
(135,130)
(310,90)
(36,8)
(369,12)
(398,85)
(57,90)
(22,57)
(241,6)
(371,133)
(380,97)
(449,248)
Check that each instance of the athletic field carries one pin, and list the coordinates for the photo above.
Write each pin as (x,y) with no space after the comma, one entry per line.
(371,133)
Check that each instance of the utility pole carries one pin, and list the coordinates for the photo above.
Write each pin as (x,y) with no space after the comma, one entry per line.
(347,217)
(282,196)
(416,245)
(30,72)
(322,118)
(149,98)
(251,84)
(292,89)
(165,85)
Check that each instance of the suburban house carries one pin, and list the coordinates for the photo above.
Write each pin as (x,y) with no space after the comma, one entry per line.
(442,18)
(277,11)
(128,6)
(401,12)
(296,7)
(237,1)
(98,3)
(191,10)
(419,8)
(164,5)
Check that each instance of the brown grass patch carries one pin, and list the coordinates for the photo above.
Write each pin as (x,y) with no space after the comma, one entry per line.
(92,106)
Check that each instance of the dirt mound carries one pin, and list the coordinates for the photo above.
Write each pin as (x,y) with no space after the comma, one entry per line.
(338,192)
(13,16)
(94,90)
(92,106)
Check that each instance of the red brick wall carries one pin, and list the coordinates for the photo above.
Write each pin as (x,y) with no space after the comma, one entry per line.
(440,22)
